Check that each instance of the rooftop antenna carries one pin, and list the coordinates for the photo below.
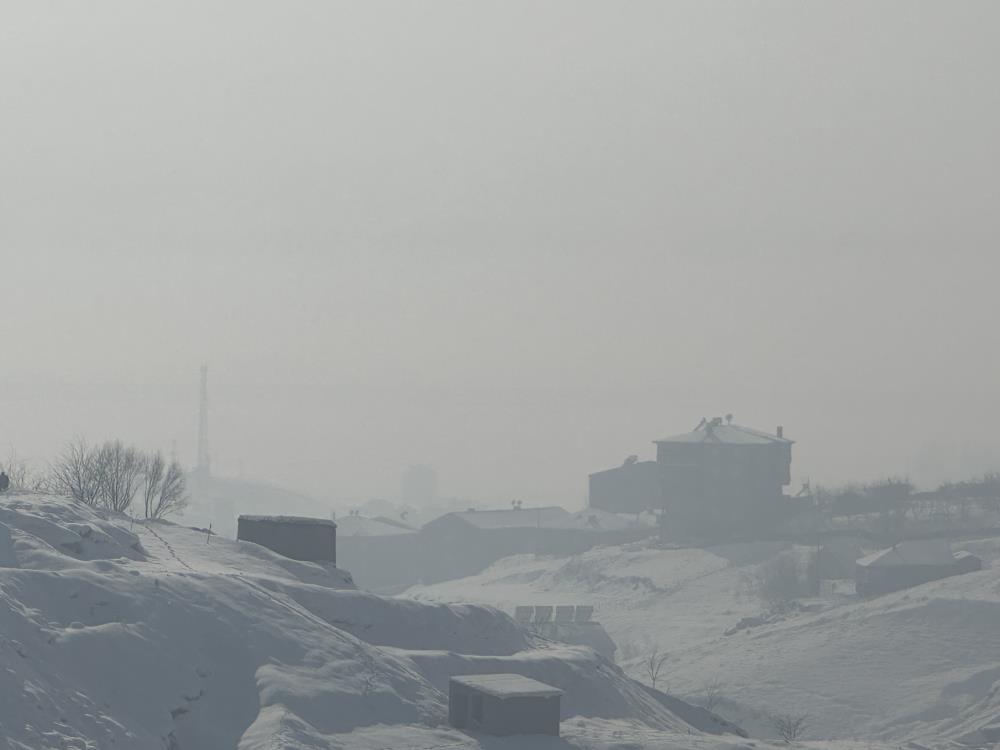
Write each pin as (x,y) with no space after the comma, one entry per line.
(204,462)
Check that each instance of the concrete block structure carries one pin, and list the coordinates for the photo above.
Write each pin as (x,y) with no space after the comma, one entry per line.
(503,704)
(297,537)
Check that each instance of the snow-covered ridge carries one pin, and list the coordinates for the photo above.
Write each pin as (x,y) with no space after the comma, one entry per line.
(152,635)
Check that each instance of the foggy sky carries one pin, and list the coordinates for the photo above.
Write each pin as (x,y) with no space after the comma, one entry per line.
(515,240)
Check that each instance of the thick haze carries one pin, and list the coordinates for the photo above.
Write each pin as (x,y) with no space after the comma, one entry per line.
(516,241)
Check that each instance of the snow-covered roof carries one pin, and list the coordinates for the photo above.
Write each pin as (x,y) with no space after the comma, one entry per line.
(508,686)
(378,526)
(602,520)
(912,552)
(304,520)
(725,434)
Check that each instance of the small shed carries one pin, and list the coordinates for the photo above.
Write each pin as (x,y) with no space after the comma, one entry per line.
(297,537)
(910,563)
(503,704)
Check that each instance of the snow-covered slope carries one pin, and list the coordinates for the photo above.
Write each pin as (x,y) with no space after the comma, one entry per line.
(644,597)
(920,665)
(156,636)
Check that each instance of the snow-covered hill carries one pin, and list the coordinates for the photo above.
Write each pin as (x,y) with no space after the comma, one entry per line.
(921,665)
(157,636)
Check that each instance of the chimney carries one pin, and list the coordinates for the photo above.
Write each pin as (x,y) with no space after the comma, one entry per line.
(781,431)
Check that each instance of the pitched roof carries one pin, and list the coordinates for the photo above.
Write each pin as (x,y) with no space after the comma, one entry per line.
(507,685)
(725,434)
(912,552)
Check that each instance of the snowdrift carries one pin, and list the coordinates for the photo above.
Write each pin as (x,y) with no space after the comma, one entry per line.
(152,635)
(921,665)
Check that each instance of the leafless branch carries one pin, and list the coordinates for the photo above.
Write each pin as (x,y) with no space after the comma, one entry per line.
(788,726)
(172,497)
(75,473)
(654,664)
(713,693)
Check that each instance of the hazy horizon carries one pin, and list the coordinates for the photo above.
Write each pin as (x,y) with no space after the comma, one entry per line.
(513,241)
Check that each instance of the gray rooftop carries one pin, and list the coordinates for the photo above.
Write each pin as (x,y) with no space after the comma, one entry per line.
(507,685)
(725,434)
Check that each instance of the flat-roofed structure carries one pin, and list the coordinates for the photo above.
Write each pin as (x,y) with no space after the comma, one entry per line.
(297,537)
(503,704)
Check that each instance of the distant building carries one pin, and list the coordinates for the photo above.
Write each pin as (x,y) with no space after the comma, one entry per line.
(465,543)
(910,563)
(219,500)
(633,487)
(718,477)
(379,552)
(504,704)
(296,537)
(379,526)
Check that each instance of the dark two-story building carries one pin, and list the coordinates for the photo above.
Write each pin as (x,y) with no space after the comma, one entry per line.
(718,478)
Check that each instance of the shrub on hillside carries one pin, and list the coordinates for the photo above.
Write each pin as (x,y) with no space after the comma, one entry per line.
(784,578)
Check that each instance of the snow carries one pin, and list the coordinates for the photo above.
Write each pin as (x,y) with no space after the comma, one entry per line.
(508,686)
(912,552)
(917,666)
(304,520)
(154,635)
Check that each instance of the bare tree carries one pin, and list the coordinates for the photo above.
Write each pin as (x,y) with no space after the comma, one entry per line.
(154,470)
(76,473)
(121,469)
(172,496)
(788,726)
(17,471)
(654,664)
(713,694)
